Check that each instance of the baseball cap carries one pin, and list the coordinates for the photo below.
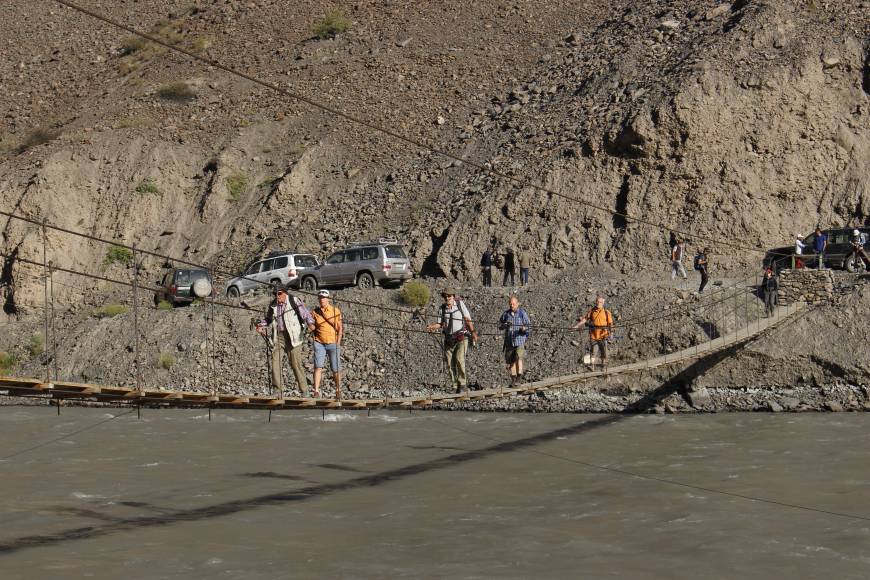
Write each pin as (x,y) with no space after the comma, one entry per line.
(323,293)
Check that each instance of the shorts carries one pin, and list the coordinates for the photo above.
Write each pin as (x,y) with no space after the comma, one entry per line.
(513,354)
(320,352)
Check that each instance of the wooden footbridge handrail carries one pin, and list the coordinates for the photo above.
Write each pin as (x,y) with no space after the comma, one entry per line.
(27,387)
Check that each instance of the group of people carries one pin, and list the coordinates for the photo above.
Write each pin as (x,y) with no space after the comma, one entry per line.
(283,327)
(857,241)
(286,320)
(508,262)
(700,263)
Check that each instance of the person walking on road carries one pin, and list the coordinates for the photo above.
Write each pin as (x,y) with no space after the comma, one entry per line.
(701,264)
(517,327)
(858,241)
(454,322)
(769,290)
(600,321)
(509,267)
(523,260)
(486,267)
(677,253)
(820,245)
(285,321)
(328,331)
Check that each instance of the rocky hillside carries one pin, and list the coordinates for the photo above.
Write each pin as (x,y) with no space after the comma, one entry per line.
(744,121)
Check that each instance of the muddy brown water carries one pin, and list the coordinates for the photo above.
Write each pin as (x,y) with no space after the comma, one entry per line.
(431,495)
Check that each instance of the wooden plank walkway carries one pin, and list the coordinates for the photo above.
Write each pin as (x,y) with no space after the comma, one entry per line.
(27,387)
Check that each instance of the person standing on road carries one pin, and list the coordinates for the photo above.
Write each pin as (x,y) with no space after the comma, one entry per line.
(328,331)
(523,259)
(285,320)
(454,322)
(600,322)
(517,327)
(677,253)
(509,267)
(486,267)
(820,245)
(701,264)
(799,246)
(769,289)
(858,242)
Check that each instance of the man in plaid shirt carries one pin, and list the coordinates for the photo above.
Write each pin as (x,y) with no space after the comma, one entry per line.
(517,326)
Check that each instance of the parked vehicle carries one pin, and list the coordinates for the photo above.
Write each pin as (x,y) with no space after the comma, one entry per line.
(177,286)
(365,264)
(836,256)
(278,268)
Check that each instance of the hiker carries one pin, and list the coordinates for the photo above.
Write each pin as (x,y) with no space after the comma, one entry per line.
(700,265)
(486,267)
(328,331)
(858,241)
(454,322)
(517,326)
(677,253)
(509,267)
(820,245)
(523,260)
(600,321)
(769,288)
(285,321)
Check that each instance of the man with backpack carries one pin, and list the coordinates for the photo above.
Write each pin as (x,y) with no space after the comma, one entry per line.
(600,321)
(858,241)
(517,326)
(677,253)
(328,331)
(285,320)
(454,322)
(700,266)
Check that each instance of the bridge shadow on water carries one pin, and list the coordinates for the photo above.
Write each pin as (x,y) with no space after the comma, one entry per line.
(116,525)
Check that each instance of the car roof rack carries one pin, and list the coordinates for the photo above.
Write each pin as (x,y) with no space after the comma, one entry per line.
(275,253)
(379,241)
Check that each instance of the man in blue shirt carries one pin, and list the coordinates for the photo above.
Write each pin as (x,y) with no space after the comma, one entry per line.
(517,326)
(820,245)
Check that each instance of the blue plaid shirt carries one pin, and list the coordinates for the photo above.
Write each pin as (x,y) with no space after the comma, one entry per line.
(511,322)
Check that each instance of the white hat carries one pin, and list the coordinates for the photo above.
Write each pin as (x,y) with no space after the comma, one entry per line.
(323,293)
(856,233)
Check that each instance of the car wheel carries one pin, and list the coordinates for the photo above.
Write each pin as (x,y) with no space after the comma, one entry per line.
(365,280)
(233,293)
(309,284)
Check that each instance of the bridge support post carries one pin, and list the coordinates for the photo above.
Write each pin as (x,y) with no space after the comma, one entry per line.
(54,350)
(136,368)
(46,298)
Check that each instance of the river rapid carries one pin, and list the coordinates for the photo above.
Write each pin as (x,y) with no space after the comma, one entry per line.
(431,495)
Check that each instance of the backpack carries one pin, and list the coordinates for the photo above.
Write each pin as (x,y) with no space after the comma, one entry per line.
(697,262)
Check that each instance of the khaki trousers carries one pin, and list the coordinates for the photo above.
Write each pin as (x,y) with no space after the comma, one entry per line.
(294,355)
(455,358)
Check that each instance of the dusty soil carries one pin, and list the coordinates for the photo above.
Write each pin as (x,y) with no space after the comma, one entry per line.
(740,123)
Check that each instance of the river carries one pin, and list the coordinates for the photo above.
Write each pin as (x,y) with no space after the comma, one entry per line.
(432,495)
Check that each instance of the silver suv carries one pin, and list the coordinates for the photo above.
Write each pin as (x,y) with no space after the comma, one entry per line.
(364,264)
(278,268)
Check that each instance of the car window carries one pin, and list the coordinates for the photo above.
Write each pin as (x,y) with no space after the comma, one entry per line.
(280,263)
(810,240)
(198,274)
(266,265)
(336,258)
(166,277)
(840,239)
(352,255)
(305,261)
(369,253)
(182,278)
(253,269)
(395,252)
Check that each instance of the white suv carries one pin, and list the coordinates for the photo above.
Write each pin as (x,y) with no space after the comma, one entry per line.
(278,268)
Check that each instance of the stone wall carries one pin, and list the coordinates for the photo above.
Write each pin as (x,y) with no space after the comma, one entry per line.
(805,285)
